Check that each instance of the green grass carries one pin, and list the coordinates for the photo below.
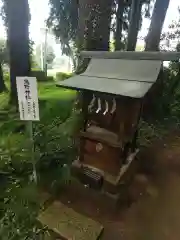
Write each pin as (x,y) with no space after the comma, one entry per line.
(46,91)
(51,91)
(4,98)
(54,102)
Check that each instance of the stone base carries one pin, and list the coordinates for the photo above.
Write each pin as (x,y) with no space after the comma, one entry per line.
(103,181)
(68,224)
(76,193)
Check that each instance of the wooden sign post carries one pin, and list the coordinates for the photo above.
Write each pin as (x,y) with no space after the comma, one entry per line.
(28,109)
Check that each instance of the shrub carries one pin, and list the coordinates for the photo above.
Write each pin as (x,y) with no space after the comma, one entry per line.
(15,154)
(40,75)
(19,209)
(50,78)
(54,143)
(54,151)
(148,132)
(6,76)
(60,76)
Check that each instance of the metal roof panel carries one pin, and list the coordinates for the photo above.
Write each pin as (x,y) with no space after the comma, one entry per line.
(113,86)
(130,78)
(142,70)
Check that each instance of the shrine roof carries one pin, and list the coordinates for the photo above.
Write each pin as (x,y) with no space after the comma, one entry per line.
(131,78)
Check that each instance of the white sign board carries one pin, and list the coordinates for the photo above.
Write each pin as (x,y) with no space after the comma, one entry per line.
(28,98)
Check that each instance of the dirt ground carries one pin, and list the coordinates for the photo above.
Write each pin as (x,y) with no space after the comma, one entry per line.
(154,213)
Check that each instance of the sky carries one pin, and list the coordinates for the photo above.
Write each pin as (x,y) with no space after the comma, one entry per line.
(40,11)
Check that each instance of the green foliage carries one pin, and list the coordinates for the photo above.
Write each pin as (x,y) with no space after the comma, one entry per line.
(55,144)
(167,103)
(50,78)
(124,18)
(149,132)
(4,53)
(166,114)
(39,74)
(60,76)
(170,98)
(54,151)
(32,56)
(50,54)
(6,76)
(3,102)
(4,13)
(167,106)
(173,34)
(49,91)
(63,20)
(15,157)
(19,207)
(18,201)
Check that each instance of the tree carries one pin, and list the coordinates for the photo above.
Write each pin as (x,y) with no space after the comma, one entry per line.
(119,24)
(152,44)
(128,21)
(18,17)
(4,52)
(72,22)
(4,58)
(63,20)
(2,83)
(50,55)
(134,25)
(94,24)
(93,27)
(172,35)
(157,21)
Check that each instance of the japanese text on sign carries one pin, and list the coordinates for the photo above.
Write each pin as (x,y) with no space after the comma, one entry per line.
(28,98)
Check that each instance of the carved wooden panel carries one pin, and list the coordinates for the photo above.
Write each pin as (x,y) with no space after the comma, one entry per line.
(102,156)
(122,122)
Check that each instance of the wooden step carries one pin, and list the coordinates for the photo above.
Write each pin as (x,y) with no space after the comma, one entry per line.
(68,224)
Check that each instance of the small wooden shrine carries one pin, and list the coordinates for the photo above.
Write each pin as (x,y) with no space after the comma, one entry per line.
(113,87)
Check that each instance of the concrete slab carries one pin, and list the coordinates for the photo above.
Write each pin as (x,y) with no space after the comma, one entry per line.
(68,224)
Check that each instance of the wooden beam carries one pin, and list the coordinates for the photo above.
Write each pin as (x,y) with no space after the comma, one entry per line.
(131,55)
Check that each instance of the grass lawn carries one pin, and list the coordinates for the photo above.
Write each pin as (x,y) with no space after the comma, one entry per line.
(54,102)
(46,91)
(51,91)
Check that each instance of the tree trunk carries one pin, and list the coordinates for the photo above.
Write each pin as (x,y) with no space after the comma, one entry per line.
(158,17)
(94,33)
(94,27)
(94,24)
(2,84)
(152,44)
(18,40)
(119,27)
(134,25)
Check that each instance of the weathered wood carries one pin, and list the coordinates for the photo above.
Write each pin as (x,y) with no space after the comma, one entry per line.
(69,224)
(162,56)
